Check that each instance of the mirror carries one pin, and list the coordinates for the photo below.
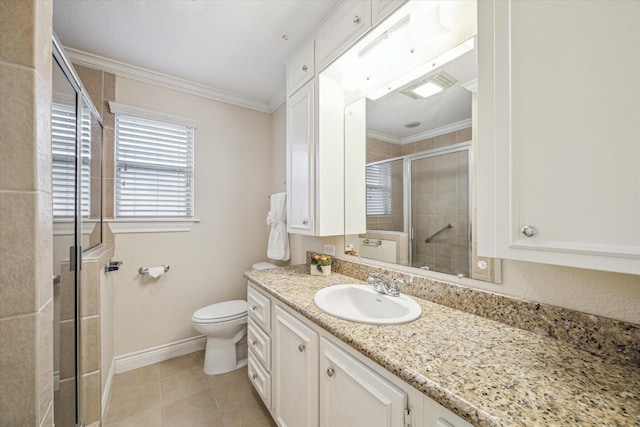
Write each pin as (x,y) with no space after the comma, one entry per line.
(409,91)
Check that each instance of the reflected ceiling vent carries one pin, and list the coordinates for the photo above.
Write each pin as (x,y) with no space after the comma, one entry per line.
(430,85)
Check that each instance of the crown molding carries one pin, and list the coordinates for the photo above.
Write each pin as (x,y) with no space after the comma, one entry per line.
(147,76)
(452,127)
(383,137)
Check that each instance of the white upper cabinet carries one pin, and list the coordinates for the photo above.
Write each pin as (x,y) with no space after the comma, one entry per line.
(559,133)
(343,27)
(300,161)
(300,68)
(380,9)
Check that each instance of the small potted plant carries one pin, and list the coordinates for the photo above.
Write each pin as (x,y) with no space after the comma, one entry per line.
(320,265)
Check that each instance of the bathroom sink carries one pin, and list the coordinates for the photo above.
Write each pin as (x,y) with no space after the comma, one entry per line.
(360,303)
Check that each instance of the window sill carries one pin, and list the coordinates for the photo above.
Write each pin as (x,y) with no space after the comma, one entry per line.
(151,225)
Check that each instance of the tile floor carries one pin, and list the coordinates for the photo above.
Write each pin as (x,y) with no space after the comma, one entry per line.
(177,393)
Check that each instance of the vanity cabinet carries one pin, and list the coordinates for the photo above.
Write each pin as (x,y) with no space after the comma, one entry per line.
(295,370)
(558,152)
(353,395)
(259,343)
(380,9)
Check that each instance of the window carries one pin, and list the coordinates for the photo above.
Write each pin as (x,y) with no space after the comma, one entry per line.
(379,189)
(154,168)
(63,146)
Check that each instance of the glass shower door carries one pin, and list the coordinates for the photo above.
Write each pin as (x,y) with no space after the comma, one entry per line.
(439,211)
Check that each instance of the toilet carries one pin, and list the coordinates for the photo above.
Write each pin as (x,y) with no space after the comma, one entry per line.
(225,326)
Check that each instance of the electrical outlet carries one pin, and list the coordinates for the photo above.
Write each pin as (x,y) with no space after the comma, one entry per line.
(330,250)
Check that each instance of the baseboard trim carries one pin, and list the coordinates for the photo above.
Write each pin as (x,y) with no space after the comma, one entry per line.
(152,355)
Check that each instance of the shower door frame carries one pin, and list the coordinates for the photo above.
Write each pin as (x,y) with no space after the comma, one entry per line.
(436,152)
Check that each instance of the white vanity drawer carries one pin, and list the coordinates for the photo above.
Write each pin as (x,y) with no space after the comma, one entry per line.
(260,378)
(259,308)
(259,343)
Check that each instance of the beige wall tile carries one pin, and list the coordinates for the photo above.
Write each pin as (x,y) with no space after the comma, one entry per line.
(90,294)
(17,43)
(92,81)
(64,414)
(91,400)
(18,246)
(67,349)
(67,292)
(444,140)
(18,387)
(18,140)
(108,153)
(90,344)
(43,230)
(464,135)
(108,210)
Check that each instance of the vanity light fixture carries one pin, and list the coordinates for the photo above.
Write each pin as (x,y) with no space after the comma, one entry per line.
(439,61)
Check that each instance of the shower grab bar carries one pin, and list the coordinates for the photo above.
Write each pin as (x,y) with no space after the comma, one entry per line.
(437,233)
(372,242)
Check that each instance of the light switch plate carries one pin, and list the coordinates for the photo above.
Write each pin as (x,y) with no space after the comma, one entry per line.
(330,250)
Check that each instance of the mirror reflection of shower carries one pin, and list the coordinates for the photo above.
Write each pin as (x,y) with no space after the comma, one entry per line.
(418,207)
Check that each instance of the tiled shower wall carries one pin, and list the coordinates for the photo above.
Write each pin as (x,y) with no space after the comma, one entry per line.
(26,290)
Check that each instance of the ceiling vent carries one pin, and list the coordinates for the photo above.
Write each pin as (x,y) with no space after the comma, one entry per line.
(430,85)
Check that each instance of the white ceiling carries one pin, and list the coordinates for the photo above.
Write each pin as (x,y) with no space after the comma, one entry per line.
(229,46)
(388,115)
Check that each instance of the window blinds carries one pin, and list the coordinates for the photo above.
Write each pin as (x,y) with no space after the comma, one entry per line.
(154,168)
(379,189)
(63,145)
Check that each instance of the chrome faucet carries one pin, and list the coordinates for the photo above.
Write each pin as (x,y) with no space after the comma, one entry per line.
(380,285)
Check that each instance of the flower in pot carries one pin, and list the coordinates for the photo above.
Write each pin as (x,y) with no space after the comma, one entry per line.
(321,264)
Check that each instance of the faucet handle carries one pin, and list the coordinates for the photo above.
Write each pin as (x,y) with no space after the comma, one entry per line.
(395,282)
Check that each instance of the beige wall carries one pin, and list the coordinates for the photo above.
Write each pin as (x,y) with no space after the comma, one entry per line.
(26,297)
(233,181)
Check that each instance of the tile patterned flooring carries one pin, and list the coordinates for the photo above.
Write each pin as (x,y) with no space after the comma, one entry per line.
(177,393)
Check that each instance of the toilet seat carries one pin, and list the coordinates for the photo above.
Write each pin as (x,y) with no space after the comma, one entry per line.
(221,312)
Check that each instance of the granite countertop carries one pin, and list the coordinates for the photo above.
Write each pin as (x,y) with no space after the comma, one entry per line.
(489,373)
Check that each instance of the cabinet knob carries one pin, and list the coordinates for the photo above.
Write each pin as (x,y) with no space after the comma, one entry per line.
(356,19)
(305,222)
(254,342)
(254,375)
(330,372)
(304,68)
(254,307)
(301,348)
(528,231)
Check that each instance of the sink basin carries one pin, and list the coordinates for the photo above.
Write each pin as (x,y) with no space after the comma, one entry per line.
(360,303)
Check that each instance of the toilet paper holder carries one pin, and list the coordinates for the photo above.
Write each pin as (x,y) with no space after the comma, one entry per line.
(145,270)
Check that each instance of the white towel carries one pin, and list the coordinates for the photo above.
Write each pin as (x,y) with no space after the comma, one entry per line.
(278,248)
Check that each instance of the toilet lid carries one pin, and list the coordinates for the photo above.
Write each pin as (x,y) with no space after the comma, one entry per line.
(222,311)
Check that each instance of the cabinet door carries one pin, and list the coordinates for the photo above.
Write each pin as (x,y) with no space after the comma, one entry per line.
(353,395)
(380,9)
(344,26)
(295,371)
(300,68)
(558,152)
(300,161)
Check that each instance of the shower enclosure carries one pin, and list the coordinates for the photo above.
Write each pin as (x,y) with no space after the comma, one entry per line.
(425,195)
(76,147)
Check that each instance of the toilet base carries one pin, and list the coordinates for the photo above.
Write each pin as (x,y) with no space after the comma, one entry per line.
(220,356)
